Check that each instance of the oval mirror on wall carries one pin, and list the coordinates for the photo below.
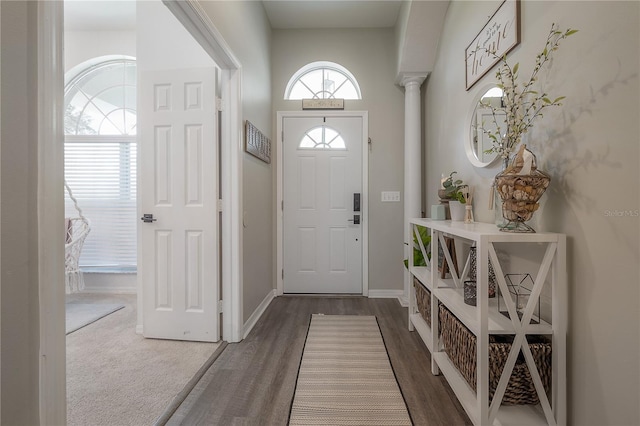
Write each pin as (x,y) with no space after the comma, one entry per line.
(481,117)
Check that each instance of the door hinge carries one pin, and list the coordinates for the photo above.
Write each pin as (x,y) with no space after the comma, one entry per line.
(219,104)
(220,305)
(282,205)
(219,205)
(283,274)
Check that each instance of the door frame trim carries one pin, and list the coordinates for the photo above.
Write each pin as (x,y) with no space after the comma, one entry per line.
(281,115)
(50,43)
(50,211)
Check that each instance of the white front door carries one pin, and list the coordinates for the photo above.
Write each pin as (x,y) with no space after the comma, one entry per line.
(178,246)
(322,173)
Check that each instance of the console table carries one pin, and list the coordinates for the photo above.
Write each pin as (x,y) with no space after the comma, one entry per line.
(484,319)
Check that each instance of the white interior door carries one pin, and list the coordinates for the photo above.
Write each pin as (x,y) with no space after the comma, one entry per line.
(178,258)
(322,170)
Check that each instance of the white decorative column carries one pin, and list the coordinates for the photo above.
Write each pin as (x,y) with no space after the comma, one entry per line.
(412,158)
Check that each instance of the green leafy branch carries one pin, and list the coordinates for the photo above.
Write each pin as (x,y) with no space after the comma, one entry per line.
(522,105)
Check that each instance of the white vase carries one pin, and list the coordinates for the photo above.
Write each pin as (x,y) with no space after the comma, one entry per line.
(456,208)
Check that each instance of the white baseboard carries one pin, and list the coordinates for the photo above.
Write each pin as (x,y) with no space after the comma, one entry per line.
(110,283)
(110,290)
(255,316)
(389,294)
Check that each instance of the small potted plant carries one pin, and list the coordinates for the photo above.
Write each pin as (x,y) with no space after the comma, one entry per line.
(452,190)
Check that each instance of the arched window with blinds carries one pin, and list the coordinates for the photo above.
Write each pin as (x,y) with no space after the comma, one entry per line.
(100,161)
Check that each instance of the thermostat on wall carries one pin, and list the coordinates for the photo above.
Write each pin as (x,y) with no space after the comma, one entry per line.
(323,104)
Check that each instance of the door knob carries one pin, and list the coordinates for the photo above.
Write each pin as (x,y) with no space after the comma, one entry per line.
(355,220)
(147,218)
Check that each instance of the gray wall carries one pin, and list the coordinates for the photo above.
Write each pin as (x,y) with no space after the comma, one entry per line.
(590,148)
(245,27)
(19,261)
(370,56)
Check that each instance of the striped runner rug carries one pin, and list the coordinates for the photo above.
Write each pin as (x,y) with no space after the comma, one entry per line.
(345,377)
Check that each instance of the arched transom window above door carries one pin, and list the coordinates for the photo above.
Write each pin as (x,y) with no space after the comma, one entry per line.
(322,137)
(322,80)
(101,100)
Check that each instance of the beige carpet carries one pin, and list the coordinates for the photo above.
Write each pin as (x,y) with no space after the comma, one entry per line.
(116,377)
(345,376)
(80,315)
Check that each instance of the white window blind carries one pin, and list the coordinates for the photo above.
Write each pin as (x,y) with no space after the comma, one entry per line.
(100,162)
(101,172)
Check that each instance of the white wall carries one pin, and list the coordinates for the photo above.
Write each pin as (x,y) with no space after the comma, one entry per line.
(245,27)
(163,43)
(370,55)
(80,46)
(590,148)
(19,388)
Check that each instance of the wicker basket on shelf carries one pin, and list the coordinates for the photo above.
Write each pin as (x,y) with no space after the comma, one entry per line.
(423,300)
(460,346)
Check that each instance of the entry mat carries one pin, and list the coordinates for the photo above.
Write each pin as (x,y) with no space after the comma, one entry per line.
(345,376)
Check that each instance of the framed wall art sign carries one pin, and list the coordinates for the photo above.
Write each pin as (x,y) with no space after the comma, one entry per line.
(256,143)
(497,37)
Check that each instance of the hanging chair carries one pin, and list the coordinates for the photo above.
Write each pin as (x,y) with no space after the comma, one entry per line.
(77,229)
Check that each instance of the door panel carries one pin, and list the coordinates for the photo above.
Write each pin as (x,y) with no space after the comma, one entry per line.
(178,181)
(322,246)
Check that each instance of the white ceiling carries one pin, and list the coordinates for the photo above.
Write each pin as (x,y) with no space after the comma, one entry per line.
(298,14)
(421,27)
(121,14)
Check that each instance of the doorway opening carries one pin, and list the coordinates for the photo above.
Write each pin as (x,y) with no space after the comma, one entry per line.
(50,65)
(105,108)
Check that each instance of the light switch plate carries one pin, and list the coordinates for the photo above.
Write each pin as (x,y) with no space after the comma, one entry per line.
(390,196)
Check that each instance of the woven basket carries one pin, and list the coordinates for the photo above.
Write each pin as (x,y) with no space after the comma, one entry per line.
(423,300)
(520,194)
(460,346)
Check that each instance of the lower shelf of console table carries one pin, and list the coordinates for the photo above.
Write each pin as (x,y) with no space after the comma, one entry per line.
(485,320)
(507,415)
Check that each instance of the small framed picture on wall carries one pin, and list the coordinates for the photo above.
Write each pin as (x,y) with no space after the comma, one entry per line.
(257,143)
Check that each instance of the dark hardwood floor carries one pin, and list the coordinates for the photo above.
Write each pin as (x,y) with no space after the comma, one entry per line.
(252,382)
